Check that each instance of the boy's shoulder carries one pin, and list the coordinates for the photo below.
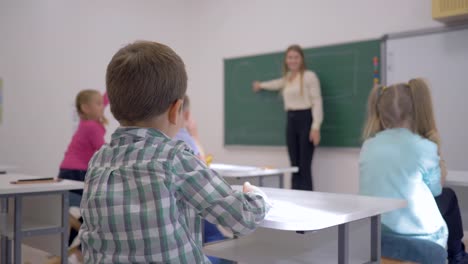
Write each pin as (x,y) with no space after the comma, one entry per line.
(141,144)
(164,147)
(149,153)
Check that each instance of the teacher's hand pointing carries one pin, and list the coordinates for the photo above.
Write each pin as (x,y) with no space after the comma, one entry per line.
(256,86)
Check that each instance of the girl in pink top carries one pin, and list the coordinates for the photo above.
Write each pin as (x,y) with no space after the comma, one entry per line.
(88,138)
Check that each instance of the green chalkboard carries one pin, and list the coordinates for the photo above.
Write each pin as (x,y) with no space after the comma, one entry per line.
(346,73)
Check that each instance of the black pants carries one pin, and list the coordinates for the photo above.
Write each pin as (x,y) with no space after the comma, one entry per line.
(448,206)
(75,175)
(300,149)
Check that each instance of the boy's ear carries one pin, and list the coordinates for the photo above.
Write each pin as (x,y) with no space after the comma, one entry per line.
(174,111)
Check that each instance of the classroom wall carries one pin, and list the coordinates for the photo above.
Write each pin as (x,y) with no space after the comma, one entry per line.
(225,29)
(51,49)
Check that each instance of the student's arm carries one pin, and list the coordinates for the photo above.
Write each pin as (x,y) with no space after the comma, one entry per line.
(434,136)
(313,84)
(201,152)
(193,131)
(213,198)
(433,181)
(95,135)
(431,170)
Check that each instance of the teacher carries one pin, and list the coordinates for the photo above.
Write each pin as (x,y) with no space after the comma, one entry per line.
(302,98)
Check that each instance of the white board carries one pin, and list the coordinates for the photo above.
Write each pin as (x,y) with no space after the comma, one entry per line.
(442,58)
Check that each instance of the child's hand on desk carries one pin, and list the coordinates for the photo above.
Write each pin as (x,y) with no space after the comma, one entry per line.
(249,188)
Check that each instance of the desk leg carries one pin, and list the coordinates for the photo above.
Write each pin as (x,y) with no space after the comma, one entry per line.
(375,239)
(8,251)
(65,231)
(343,243)
(4,254)
(18,229)
(281,180)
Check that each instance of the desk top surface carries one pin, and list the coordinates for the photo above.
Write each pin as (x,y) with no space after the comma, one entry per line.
(306,211)
(236,171)
(7,188)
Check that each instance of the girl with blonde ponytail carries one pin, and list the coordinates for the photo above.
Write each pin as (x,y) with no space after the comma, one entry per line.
(447,202)
(425,119)
(400,158)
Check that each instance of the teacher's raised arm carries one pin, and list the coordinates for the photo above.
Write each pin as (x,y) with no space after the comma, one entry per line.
(302,98)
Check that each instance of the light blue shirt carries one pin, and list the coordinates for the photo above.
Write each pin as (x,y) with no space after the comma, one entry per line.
(184,135)
(397,163)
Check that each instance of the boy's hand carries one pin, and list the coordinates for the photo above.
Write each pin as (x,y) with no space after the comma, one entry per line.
(247,187)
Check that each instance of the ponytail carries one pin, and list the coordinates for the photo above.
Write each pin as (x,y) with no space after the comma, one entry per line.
(424,116)
(373,124)
(423,111)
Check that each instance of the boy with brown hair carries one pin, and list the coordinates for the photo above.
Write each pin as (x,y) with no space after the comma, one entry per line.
(145,195)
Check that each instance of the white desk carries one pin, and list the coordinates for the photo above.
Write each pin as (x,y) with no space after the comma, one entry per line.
(238,172)
(20,229)
(310,211)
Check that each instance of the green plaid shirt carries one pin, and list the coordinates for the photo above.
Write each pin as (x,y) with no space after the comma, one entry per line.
(145,196)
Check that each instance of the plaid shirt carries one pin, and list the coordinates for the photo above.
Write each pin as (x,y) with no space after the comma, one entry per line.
(144,198)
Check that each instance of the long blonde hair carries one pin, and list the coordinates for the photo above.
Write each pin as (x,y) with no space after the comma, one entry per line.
(302,69)
(424,116)
(84,97)
(403,105)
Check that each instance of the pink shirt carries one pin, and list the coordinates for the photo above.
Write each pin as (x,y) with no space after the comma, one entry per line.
(88,138)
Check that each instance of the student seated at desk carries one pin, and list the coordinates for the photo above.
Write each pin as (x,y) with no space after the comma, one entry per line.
(145,194)
(189,135)
(87,139)
(401,159)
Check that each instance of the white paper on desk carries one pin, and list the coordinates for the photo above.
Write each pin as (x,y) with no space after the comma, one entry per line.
(283,211)
(232,168)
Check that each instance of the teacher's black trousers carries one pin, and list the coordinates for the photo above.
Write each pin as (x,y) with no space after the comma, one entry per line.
(300,149)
